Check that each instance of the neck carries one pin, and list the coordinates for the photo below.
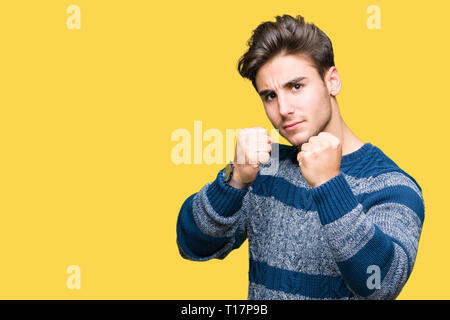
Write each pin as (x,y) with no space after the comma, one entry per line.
(337,127)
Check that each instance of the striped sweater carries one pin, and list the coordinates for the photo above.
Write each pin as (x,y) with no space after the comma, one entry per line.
(354,237)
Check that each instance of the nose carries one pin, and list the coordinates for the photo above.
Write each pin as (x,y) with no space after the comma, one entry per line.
(284,106)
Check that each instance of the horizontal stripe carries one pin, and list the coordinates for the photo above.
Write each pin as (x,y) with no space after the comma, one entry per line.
(192,240)
(376,162)
(211,222)
(390,179)
(348,235)
(298,283)
(398,194)
(283,191)
(289,239)
(301,198)
(260,292)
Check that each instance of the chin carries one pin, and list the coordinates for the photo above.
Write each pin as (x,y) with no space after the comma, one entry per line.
(297,139)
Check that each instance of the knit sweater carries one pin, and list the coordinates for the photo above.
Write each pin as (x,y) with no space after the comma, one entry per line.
(334,241)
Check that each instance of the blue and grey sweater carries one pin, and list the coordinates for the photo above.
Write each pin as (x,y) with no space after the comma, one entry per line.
(334,241)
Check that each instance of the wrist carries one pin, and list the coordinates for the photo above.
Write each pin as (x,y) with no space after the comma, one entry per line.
(322,181)
(232,178)
(237,184)
(243,178)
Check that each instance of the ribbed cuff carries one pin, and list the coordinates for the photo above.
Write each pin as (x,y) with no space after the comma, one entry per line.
(334,199)
(224,199)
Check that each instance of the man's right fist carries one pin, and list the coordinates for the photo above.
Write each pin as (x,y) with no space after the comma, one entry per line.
(253,148)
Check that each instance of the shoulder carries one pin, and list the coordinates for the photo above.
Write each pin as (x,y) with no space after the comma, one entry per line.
(378,168)
(380,181)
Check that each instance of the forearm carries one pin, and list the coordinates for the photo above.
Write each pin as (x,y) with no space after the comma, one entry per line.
(359,242)
(210,222)
(193,243)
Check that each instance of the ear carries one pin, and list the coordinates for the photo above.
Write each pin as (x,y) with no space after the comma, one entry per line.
(333,81)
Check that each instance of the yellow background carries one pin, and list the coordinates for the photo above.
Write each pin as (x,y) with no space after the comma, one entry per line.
(86,118)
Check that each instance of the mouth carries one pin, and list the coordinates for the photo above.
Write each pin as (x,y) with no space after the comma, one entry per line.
(292,126)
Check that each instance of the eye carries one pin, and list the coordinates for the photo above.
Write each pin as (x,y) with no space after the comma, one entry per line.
(297,86)
(270,96)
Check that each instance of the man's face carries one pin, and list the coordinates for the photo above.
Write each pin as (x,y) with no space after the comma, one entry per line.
(294,94)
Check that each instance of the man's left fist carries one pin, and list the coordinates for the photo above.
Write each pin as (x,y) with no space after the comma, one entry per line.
(320,158)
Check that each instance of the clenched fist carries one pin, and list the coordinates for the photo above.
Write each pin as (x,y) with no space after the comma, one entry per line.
(320,158)
(253,148)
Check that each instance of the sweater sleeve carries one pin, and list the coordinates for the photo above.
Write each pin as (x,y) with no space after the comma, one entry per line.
(374,242)
(212,222)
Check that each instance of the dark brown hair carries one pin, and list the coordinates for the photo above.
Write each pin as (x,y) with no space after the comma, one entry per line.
(286,36)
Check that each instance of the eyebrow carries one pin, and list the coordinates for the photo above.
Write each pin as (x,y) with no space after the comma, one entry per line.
(287,84)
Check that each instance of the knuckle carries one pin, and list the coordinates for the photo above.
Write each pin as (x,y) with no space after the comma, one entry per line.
(261,129)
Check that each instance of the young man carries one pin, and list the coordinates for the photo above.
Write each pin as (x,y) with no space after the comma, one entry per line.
(338,219)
